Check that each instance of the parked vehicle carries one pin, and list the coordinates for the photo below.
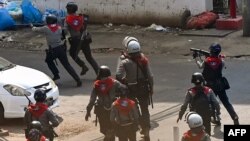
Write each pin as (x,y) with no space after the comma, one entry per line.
(16,81)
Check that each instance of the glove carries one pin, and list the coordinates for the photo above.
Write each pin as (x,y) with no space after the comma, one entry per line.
(195,54)
(87,116)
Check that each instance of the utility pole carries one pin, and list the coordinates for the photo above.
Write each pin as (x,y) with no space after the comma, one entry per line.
(246,18)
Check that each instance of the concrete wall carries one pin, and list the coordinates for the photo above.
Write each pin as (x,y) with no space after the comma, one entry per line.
(141,12)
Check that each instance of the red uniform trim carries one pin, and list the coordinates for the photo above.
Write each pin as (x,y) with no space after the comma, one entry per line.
(188,136)
(53,27)
(205,90)
(104,86)
(124,105)
(75,22)
(213,62)
(37,109)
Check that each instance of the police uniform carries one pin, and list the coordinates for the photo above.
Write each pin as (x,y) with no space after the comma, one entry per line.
(41,113)
(124,115)
(53,34)
(102,97)
(212,71)
(74,24)
(200,99)
(130,73)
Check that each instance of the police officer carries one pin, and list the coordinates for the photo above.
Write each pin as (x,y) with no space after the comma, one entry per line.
(124,115)
(35,133)
(57,48)
(196,131)
(79,39)
(212,71)
(41,113)
(199,99)
(102,96)
(134,71)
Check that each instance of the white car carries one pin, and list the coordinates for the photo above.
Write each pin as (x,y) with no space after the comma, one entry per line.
(17,81)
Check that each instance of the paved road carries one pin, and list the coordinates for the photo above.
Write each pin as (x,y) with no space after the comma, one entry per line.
(172,78)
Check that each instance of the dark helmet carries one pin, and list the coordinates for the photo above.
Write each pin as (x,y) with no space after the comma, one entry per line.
(123,91)
(197,78)
(71,7)
(104,71)
(34,135)
(40,95)
(51,19)
(36,125)
(215,49)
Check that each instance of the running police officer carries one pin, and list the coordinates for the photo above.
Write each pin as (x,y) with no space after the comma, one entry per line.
(199,99)
(79,38)
(124,116)
(41,113)
(212,71)
(57,49)
(102,96)
(134,71)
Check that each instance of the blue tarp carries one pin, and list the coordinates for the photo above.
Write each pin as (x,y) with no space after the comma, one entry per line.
(60,14)
(6,21)
(30,13)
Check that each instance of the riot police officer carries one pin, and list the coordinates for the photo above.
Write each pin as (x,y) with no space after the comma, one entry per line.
(79,38)
(57,49)
(35,133)
(199,99)
(103,94)
(212,71)
(124,115)
(196,129)
(41,113)
(134,71)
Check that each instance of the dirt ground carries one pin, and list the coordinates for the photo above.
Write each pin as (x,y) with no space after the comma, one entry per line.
(106,38)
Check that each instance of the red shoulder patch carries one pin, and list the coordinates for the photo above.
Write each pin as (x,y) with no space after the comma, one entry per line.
(75,22)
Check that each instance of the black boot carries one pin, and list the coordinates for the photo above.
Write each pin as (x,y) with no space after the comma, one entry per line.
(84,70)
(236,120)
(79,83)
(56,77)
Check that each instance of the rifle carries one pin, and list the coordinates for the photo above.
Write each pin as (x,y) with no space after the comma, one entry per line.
(199,52)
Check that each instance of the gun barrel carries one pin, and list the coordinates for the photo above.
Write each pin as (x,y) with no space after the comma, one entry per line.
(195,49)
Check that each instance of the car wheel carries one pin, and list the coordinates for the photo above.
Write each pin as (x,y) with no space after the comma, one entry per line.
(1,114)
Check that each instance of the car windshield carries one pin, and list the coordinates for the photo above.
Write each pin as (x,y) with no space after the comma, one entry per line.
(5,64)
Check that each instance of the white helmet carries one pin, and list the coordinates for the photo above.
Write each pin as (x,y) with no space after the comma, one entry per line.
(194,120)
(133,47)
(127,39)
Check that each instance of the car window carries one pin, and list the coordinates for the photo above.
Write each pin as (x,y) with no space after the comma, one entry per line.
(5,64)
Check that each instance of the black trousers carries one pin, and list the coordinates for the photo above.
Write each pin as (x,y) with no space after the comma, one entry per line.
(60,53)
(126,133)
(49,134)
(105,123)
(85,47)
(144,116)
(225,101)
